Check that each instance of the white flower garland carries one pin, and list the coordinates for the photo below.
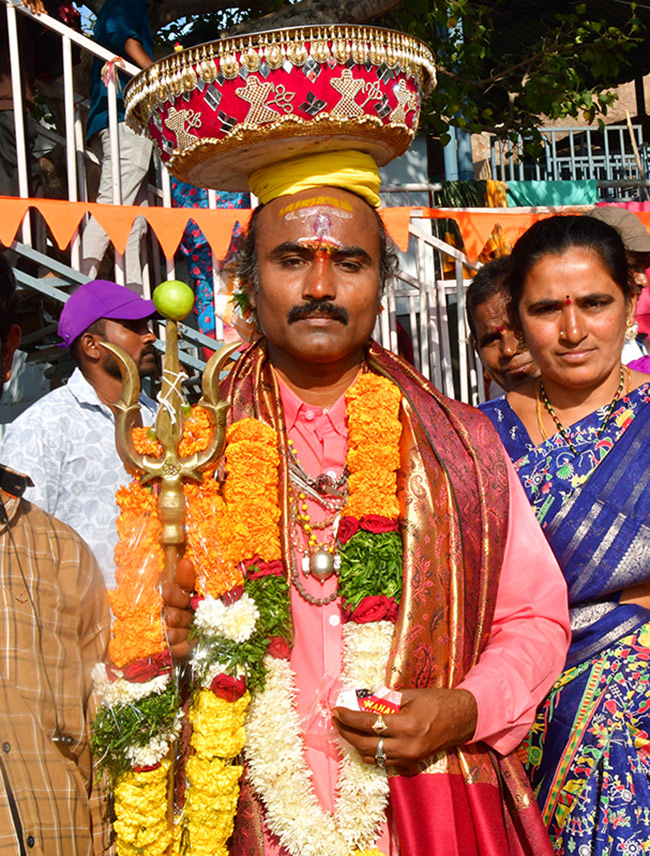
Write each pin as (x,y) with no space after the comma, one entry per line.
(112,693)
(236,621)
(280,775)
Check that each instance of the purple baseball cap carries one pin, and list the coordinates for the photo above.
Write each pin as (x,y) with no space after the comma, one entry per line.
(97,299)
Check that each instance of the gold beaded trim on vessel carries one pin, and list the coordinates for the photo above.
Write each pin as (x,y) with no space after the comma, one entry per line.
(397,137)
(182,71)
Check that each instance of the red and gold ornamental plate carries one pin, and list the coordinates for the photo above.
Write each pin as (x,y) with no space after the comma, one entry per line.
(221,110)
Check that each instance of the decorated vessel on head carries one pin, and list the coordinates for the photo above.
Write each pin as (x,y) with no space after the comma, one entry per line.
(219,111)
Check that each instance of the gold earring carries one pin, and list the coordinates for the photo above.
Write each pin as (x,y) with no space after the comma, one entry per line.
(632,329)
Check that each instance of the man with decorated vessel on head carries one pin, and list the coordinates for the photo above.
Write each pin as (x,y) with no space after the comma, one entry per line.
(418,635)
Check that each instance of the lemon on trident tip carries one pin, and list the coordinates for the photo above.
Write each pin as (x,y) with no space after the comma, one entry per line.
(173,299)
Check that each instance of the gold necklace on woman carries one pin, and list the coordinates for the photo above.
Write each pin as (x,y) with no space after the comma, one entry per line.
(543,397)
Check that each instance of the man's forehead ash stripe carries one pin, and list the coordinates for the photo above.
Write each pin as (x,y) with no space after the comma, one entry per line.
(314,201)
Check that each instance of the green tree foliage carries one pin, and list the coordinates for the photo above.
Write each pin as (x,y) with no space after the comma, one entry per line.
(507,73)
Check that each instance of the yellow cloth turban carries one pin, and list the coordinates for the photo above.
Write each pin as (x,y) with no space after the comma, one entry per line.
(350,169)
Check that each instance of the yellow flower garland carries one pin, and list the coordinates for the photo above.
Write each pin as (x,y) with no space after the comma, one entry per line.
(141,809)
(245,523)
(218,725)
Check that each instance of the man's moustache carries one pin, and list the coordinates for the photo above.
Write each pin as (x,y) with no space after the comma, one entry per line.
(318,309)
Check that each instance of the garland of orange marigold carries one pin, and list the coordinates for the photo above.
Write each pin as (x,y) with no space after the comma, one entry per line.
(140,712)
(227,618)
(225,534)
(242,614)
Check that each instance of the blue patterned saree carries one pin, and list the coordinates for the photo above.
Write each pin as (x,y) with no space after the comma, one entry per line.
(588,754)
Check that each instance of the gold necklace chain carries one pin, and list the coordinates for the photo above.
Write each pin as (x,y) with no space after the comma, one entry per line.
(541,396)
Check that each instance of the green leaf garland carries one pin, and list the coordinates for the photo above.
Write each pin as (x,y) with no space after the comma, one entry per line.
(371,564)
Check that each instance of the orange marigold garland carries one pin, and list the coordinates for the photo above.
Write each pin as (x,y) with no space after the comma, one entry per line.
(374,431)
(242,610)
(370,544)
(196,433)
(233,625)
(137,629)
(369,585)
(140,712)
(208,535)
(251,491)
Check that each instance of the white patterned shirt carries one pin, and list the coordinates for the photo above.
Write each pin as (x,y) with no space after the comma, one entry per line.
(66,442)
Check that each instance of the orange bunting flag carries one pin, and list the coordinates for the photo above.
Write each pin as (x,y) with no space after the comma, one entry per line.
(396,221)
(169,225)
(64,218)
(116,221)
(218,229)
(13,210)
(476,226)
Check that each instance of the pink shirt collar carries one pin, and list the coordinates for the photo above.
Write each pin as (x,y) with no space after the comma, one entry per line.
(297,413)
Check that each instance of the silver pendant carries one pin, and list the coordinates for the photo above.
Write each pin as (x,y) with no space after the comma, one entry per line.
(321,565)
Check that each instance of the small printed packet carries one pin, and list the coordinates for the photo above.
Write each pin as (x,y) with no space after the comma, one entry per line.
(382,700)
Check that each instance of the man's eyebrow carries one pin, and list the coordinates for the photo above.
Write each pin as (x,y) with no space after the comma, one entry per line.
(288,247)
(353,251)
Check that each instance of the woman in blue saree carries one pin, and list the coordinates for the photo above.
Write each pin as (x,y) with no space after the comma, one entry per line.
(579,437)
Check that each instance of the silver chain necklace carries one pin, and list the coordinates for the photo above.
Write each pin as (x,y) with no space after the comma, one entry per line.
(322,563)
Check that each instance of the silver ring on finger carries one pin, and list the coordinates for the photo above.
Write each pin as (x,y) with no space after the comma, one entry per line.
(380,755)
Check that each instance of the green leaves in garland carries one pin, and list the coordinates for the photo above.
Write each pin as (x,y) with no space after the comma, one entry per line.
(122,726)
(371,564)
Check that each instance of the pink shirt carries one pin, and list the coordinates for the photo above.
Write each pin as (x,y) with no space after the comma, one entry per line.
(510,679)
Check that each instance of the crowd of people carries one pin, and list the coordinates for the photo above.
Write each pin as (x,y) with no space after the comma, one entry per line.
(486,678)
(506,608)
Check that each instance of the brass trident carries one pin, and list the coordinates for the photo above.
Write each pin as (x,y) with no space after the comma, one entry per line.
(170,469)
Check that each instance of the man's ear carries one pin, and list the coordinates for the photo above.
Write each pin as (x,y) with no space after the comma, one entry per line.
(88,346)
(9,349)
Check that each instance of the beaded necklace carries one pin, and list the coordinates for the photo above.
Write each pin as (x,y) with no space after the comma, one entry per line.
(543,397)
(319,559)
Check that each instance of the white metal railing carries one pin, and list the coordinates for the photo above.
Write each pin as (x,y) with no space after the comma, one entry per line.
(616,156)
(431,312)
(72,138)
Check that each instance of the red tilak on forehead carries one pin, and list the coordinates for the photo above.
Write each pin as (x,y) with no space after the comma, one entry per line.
(568,300)
(501,328)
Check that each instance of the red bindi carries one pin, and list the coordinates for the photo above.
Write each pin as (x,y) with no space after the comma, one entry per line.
(568,300)
(501,328)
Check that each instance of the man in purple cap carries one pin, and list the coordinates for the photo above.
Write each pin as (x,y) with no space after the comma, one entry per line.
(65,441)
